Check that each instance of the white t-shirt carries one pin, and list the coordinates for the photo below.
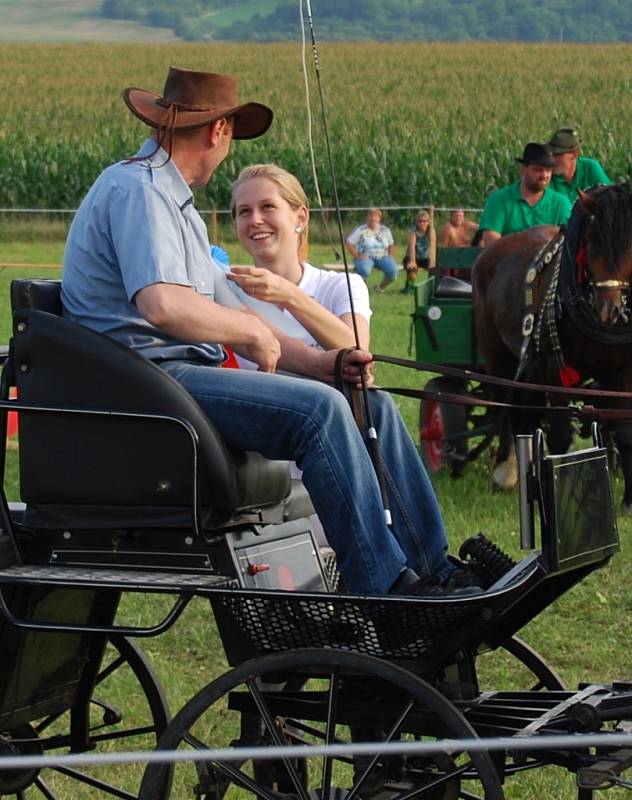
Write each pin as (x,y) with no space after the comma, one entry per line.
(326,287)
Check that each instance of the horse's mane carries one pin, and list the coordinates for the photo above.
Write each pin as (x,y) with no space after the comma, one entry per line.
(609,232)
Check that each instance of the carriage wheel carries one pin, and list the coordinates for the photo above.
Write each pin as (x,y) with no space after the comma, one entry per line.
(437,422)
(546,677)
(339,698)
(515,665)
(128,711)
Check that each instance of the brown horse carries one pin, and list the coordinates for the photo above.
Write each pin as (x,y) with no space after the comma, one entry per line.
(582,321)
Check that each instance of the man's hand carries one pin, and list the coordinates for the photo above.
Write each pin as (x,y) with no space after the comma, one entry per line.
(355,362)
(265,350)
(262,284)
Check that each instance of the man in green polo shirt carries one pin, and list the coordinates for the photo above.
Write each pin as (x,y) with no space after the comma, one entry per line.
(572,171)
(527,202)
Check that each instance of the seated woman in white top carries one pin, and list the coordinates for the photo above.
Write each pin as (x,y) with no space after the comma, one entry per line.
(271,215)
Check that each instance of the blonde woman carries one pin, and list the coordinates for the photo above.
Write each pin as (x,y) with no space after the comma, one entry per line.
(271,216)
(420,250)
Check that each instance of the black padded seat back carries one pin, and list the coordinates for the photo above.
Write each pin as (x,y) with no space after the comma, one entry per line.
(39,294)
(125,465)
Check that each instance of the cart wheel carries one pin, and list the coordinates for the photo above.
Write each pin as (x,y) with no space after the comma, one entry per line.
(546,677)
(340,698)
(515,665)
(128,711)
(437,422)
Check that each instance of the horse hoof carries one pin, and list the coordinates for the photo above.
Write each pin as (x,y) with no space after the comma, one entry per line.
(505,475)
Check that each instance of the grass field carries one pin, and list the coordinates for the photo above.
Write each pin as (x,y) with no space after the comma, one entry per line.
(583,635)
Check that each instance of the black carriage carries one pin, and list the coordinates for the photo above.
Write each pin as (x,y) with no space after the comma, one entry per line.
(127,487)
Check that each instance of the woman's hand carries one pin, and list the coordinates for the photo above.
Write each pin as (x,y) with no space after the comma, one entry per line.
(264,285)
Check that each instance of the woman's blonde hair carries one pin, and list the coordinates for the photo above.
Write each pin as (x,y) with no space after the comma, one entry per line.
(289,188)
(375,209)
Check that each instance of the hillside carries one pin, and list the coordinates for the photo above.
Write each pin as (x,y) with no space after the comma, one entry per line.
(409,20)
(585,21)
(71,21)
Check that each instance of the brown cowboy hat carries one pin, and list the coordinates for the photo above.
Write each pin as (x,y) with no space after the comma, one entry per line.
(192,99)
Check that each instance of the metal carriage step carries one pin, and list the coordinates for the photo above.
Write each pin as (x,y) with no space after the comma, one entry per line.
(115,578)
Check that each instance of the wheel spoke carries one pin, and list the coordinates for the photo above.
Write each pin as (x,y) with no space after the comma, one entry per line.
(96,783)
(438,781)
(330,732)
(278,740)
(44,789)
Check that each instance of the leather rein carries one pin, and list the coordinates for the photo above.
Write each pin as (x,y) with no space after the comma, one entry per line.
(587,411)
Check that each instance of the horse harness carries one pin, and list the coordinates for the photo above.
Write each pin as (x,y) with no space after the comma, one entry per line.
(566,293)
(533,330)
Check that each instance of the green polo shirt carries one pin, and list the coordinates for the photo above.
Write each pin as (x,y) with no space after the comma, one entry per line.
(589,173)
(506,210)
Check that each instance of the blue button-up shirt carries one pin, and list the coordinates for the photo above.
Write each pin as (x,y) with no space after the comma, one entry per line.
(137,226)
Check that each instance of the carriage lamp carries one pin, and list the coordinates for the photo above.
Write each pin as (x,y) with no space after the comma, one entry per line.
(434,313)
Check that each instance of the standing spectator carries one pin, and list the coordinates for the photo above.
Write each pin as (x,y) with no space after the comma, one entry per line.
(420,251)
(458,231)
(528,202)
(372,245)
(572,171)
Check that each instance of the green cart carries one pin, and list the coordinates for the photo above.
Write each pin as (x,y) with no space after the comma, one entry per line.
(444,334)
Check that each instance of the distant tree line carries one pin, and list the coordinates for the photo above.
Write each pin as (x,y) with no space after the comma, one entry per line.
(429,20)
(183,18)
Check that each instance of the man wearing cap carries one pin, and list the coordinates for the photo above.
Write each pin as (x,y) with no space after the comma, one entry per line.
(527,202)
(137,268)
(572,171)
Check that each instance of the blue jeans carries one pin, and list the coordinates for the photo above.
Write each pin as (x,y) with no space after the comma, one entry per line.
(363,266)
(311,423)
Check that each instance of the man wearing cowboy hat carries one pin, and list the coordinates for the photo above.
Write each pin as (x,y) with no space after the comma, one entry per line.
(527,202)
(573,171)
(137,267)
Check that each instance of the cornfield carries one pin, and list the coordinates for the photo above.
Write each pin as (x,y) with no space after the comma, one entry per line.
(409,123)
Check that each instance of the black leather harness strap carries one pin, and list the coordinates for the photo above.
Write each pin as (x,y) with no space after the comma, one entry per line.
(492,380)
(350,392)
(585,411)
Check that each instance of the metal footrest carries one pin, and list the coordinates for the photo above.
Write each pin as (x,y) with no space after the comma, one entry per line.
(183,584)
(136,580)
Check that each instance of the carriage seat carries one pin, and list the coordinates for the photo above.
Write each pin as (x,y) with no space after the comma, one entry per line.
(449,286)
(111,469)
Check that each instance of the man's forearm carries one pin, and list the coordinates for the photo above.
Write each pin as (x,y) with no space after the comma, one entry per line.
(489,237)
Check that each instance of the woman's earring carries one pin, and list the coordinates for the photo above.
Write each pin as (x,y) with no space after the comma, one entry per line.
(299,229)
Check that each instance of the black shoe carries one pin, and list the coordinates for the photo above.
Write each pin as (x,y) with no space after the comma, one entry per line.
(451,587)
(465,575)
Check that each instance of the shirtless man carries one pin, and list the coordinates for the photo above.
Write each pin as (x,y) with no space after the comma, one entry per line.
(458,231)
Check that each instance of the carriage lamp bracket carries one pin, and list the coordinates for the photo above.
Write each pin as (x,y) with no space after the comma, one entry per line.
(527,486)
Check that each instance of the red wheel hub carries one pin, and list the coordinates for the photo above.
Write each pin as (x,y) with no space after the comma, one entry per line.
(432,436)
